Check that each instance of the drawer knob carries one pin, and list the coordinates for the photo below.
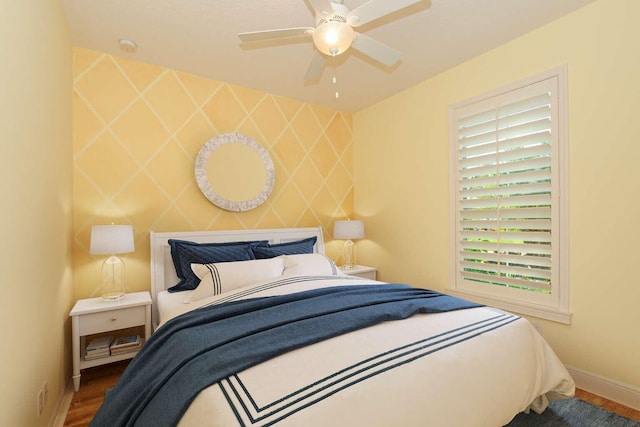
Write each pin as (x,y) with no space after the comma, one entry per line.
(113,319)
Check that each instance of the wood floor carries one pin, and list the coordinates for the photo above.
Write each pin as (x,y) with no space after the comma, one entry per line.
(96,381)
(609,405)
(93,383)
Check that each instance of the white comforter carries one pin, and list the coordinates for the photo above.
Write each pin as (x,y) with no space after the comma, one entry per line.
(474,367)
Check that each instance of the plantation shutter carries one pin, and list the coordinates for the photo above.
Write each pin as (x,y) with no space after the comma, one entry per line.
(504,190)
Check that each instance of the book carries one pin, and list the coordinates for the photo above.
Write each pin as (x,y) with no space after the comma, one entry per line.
(99,343)
(127,348)
(125,342)
(124,350)
(98,350)
(96,355)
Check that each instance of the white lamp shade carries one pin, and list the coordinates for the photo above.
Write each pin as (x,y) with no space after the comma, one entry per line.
(348,229)
(111,239)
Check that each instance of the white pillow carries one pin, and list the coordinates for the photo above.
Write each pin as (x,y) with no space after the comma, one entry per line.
(309,265)
(220,277)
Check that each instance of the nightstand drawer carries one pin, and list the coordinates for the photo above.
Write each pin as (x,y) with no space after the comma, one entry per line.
(371,275)
(361,271)
(104,321)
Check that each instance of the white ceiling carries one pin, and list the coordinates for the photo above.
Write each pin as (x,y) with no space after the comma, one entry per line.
(200,37)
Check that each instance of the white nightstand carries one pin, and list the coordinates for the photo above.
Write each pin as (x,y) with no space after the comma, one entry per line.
(95,316)
(360,271)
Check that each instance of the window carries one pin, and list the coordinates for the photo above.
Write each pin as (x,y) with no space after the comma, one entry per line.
(509,198)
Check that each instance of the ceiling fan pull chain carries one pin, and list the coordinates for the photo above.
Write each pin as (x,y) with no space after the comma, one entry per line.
(334,80)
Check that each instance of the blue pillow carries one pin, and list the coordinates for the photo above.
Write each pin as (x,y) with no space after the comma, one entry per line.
(304,246)
(184,253)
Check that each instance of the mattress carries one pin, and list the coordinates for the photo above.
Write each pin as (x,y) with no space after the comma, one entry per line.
(172,304)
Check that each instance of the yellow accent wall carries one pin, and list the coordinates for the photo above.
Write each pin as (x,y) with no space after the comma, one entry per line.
(137,131)
(401,177)
(36,191)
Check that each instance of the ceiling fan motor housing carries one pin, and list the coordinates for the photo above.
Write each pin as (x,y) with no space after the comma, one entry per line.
(339,14)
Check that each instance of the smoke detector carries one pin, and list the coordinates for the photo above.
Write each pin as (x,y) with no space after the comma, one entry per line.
(128,46)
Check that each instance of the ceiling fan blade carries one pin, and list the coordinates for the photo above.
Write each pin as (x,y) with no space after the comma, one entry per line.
(285,33)
(322,8)
(316,66)
(374,9)
(376,50)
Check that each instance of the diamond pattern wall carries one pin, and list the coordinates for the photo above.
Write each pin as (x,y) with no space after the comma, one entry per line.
(137,130)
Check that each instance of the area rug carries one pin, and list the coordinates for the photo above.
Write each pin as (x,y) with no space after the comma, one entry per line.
(572,413)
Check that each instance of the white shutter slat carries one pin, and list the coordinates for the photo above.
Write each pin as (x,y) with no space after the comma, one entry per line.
(505,154)
(526,200)
(516,248)
(506,236)
(529,103)
(531,213)
(524,116)
(476,119)
(492,224)
(487,130)
(509,168)
(538,175)
(524,129)
(508,271)
(470,147)
(524,105)
(504,281)
(506,190)
(507,202)
(514,259)
(524,189)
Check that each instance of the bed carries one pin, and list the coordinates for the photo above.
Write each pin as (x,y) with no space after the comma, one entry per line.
(298,343)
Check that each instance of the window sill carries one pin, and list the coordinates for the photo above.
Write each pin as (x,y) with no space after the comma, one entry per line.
(542,312)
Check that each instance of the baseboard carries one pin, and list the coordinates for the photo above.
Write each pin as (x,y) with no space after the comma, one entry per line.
(625,394)
(63,406)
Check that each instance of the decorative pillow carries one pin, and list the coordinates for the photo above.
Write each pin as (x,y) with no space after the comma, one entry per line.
(221,277)
(309,265)
(184,253)
(304,246)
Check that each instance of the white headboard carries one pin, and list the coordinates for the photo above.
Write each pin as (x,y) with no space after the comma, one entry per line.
(163,273)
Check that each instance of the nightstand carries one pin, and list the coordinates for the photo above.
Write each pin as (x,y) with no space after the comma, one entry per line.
(96,316)
(360,271)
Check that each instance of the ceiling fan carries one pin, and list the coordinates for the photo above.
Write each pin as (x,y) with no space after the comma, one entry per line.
(334,32)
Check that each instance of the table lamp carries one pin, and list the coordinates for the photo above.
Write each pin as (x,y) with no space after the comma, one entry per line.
(348,230)
(112,240)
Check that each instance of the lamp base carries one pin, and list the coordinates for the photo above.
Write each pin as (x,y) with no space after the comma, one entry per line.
(112,296)
(347,255)
(113,279)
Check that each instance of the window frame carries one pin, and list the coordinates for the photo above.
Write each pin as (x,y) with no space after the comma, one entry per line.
(555,306)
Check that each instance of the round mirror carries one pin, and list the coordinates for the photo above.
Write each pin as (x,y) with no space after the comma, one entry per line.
(234,172)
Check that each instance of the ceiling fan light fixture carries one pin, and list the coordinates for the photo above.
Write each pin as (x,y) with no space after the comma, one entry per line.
(333,38)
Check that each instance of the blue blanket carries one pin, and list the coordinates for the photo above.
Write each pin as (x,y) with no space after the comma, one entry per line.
(199,348)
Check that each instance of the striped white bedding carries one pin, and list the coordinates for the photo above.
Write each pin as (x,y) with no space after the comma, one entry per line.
(474,367)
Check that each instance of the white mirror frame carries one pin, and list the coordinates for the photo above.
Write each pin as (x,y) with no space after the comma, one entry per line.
(205,186)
